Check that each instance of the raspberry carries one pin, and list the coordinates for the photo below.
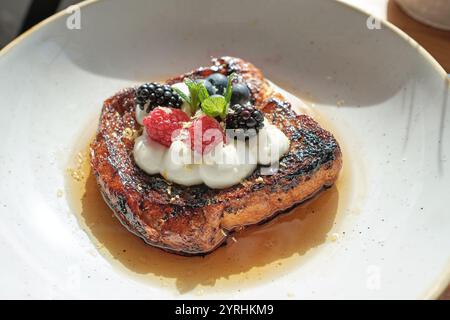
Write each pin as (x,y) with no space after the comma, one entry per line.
(205,133)
(162,122)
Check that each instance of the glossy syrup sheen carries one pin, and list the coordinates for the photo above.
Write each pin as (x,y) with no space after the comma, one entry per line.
(258,253)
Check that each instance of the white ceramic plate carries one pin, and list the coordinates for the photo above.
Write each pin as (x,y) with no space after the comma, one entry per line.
(383,96)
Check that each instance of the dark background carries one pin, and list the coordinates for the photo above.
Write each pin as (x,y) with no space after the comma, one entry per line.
(19,15)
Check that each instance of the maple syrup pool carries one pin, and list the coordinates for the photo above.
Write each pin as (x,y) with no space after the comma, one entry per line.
(258,253)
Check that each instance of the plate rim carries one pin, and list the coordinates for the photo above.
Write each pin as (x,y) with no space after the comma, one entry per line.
(410,41)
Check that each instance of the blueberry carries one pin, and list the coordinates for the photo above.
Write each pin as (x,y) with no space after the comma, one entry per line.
(239,94)
(219,83)
(209,87)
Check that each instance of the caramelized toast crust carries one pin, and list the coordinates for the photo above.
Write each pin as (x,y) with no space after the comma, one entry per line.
(196,220)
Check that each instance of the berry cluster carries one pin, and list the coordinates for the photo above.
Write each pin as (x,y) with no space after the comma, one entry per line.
(152,95)
(204,131)
(242,116)
(216,84)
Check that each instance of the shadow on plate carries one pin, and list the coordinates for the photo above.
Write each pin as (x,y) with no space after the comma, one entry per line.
(324,52)
(434,40)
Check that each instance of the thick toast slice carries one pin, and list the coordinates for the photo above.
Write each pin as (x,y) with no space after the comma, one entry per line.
(196,220)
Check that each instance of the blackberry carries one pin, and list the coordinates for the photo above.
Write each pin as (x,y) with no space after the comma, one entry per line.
(245,119)
(152,95)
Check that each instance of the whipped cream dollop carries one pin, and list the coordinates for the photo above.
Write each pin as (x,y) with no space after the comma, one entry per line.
(225,165)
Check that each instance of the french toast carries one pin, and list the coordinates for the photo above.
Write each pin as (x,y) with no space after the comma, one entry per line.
(195,220)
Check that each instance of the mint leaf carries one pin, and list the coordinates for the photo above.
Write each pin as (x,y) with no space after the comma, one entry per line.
(190,83)
(193,90)
(214,106)
(202,92)
(182,95)
(229,88)
(228,94)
